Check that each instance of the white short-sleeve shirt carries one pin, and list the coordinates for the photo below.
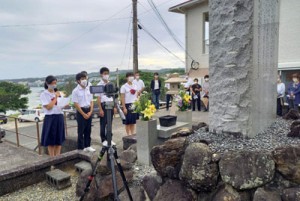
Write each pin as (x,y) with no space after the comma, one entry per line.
(127,90)
(139,83)
(46,97)
(102,96)
(82,96)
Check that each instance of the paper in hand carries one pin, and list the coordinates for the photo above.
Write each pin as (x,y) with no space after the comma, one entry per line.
(62,102)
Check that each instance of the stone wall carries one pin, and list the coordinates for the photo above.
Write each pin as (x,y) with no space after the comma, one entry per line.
(193,172)
(243,63)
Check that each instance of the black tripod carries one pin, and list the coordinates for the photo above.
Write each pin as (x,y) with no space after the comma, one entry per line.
(112,155)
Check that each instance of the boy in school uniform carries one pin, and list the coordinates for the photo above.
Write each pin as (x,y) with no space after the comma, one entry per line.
(101,100)
(83,102)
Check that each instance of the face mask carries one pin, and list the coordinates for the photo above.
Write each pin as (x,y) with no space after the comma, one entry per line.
(83,83)
(137,77)
(206,79)
(278,80)
(156,76)
(52,87)
(105,77)
(295,80)
(186,77)
(195,82)
(130,79)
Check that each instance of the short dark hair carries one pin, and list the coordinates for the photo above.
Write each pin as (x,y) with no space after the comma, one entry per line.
(84,72)
(104,69)
(49,79)
(79,76)
(156,73)
(196,80)
(129,74)
(206,76)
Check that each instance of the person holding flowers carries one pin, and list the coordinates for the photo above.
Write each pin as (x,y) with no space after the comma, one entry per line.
(128,97)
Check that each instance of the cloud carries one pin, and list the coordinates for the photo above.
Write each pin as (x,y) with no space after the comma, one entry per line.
(34,51)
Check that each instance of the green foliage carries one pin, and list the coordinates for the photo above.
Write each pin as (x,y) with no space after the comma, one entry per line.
(11,96)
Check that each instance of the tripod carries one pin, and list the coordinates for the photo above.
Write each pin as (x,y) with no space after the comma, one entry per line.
(112,155)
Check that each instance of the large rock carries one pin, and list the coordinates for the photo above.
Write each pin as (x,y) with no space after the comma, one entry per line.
(295,129)
(265,195)
(101,186)
(201,125)
(166,158)
(292,115)
(246,170)
(151,184)
(287,161)
(182,132)
(227,193)
(128,141)
(137,193)
(128,155)
(198,170)
(174,190)
(291,194)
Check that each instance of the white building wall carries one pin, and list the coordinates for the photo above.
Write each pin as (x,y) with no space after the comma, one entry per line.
(194,36)
(289,34)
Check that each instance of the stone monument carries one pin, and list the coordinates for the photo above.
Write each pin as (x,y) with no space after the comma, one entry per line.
(243,65)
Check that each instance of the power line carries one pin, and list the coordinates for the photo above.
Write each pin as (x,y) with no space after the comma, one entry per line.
(127,37)
(158,42)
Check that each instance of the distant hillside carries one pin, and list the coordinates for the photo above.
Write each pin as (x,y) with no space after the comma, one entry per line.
(96,74)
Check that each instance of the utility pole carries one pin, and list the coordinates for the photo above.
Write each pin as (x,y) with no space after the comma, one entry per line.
(135,37)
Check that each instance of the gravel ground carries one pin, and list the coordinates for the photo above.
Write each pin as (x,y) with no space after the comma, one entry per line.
(44,192)
(271,138)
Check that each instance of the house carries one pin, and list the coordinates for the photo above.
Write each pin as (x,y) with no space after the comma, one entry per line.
(197,37)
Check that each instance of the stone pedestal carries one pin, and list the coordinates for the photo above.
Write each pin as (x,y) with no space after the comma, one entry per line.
(146,133)
(185,116)
(243,65)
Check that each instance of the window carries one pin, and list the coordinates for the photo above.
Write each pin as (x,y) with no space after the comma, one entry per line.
(205,33)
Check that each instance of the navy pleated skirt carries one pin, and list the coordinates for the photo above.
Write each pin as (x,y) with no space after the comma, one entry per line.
(53,133)
(130,117)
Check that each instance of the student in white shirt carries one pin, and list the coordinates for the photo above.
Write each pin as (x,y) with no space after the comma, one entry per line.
(83,102)
(53,132)
(139,83)
(101,100)
(129,96)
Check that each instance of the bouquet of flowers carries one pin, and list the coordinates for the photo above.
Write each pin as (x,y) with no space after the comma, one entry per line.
(144,107)
(183,100)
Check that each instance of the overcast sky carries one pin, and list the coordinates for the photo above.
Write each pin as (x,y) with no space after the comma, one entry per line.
(35,51)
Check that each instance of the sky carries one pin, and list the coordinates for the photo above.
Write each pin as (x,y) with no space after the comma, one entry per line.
(43,37)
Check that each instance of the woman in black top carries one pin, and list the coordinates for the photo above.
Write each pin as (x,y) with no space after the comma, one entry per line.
(155,88)
(196,89)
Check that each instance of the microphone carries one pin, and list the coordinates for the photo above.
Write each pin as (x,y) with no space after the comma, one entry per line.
(120,111)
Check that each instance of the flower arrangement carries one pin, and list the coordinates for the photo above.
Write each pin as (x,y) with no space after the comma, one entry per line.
(144,107)
(183,100)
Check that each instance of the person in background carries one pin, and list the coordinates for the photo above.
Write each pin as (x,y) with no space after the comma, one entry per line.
(280,95)
(53,132)
(128,97)
(139,83)
(168,96)
(155,88)
(101,100)
(294,93)
(205,88)
(196,89)
(87,78)
(83,102)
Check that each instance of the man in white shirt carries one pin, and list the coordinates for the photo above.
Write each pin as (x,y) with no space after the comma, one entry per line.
(139,83)
(83,102)
(101,100)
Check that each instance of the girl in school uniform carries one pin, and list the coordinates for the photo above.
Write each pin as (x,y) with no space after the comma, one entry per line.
(128,97)
(53,133)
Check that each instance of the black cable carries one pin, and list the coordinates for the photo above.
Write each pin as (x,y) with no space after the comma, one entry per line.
(159,43)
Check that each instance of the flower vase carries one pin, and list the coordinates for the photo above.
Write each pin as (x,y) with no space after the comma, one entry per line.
(185,116)
(146,133)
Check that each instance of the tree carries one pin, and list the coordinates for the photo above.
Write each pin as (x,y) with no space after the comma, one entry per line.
(68,87)
(12,96)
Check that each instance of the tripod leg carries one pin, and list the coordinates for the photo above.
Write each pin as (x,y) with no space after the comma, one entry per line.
(122,173)
(91,178)
(113,173)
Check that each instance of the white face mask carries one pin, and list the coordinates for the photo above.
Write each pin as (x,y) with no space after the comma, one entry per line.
(52,87)
(105,77)
(195,82)
(83,83)
(130,79)
(295,80)
(206,79)
(137,77)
